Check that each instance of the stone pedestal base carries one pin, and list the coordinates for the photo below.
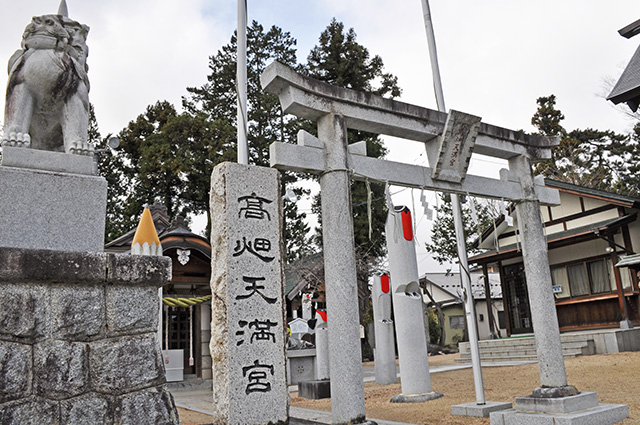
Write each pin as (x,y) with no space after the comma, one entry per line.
(47,161)
(315,390)
(78,339)
(479,410)
(52,210)
(415,398)
(580,409)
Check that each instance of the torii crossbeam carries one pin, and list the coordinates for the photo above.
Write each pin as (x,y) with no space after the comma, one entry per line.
(311,99)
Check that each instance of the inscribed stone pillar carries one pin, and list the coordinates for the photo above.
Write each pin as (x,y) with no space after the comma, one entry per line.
(407,305)
(385,354)
(345,357)
(539,284)
(247,330)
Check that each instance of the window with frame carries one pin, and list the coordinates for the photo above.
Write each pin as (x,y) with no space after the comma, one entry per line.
(583,279)
(560,281)
(456,322)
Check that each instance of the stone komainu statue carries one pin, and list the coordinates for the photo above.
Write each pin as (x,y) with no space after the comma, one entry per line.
(47,105)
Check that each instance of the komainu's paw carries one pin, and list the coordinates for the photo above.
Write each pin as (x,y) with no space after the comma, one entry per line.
(19,140)
(81,148)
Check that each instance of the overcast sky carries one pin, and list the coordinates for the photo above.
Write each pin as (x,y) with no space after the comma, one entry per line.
(496,57)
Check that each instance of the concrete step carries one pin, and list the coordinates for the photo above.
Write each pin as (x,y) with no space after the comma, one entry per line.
(515,352)
(496,346)
(588,348)
(496,359)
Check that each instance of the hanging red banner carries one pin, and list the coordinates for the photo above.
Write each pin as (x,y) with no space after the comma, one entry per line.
(384,283)
(407,225)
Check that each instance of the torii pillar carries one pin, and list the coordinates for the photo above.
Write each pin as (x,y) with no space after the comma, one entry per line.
(341,289)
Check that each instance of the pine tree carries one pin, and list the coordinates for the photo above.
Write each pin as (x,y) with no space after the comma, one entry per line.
(443,244)
(547,118)
(217,100)
(163,157)
(597,159)
(340,60)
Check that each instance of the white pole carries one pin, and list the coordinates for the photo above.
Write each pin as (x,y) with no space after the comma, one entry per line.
(457,220)
(433,55)
(467,295)
(241,81)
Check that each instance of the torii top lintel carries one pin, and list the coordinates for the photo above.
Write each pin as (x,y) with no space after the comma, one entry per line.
(308,98)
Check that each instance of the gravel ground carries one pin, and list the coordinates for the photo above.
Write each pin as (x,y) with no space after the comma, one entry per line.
(615,377)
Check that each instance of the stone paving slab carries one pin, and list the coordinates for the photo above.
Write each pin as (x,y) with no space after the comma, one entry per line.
(603,414)
(479,410)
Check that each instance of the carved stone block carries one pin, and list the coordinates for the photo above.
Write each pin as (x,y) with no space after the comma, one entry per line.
(15,371)
(60,369)
(131,309)
(77,313)
(23,312)
(146,407)
(88,409)
(120,365)
(30,411)
(55,211)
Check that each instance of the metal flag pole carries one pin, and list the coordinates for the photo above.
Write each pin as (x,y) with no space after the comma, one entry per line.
(241,81)
(465,276)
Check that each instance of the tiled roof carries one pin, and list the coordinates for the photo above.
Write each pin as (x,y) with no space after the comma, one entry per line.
(630,200)
(628,86)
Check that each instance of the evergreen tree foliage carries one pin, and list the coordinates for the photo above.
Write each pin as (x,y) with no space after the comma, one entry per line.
(111,167)
(597,159)
(547,118)
(163,157)
(628,152)
(168,156)
(443,245)
(218,97)
(340,60)
(217,100)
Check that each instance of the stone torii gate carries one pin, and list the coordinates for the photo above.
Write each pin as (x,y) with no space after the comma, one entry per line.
(450,141)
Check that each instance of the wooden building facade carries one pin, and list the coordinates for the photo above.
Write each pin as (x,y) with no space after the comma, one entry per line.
(586,234)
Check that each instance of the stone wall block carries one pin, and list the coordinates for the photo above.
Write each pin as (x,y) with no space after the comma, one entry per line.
(30,411)
(88,409)
(23,312)
(147,407)
(138,269)
(15,371)
(60,369)
(120,365)
(77,313)
(131,309)
(42,266)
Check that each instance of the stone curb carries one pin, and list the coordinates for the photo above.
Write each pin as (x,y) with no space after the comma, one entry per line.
(47,266)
